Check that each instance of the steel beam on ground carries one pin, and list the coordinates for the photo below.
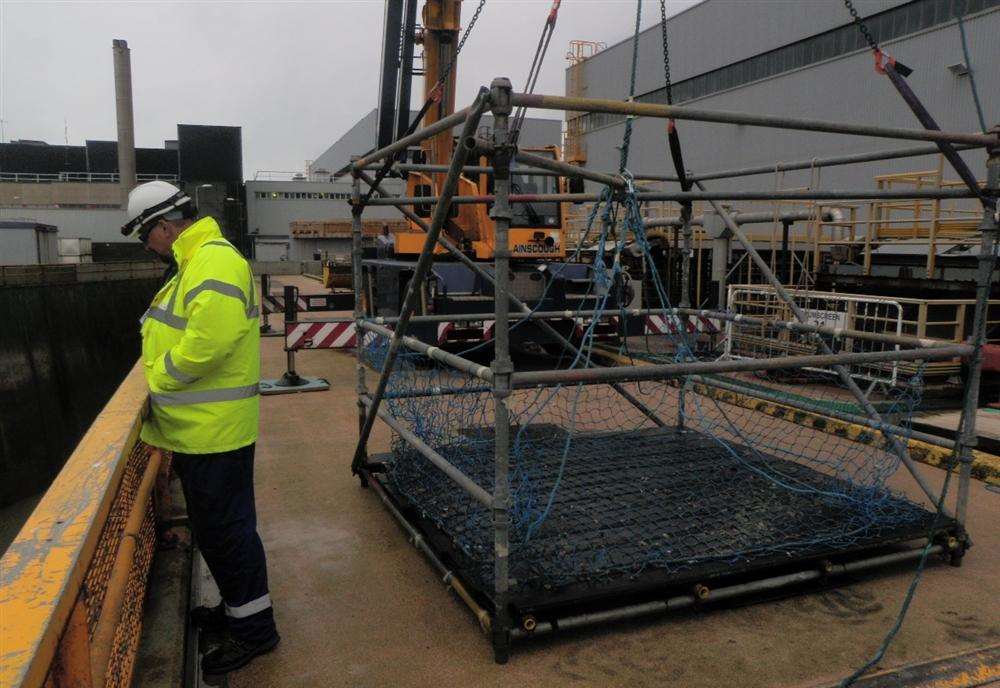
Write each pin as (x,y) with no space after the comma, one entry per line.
(685,601)
(818,409)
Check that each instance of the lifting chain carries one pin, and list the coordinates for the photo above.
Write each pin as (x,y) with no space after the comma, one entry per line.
(673,138)
(627,136)
(666,51)
(862,27)
(436,92)
(900,68)
(461,42)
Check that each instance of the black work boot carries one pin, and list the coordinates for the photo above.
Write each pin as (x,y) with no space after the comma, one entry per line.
(209,619)
(234,653)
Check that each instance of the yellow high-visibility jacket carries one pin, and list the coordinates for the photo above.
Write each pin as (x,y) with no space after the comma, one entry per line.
(201,349)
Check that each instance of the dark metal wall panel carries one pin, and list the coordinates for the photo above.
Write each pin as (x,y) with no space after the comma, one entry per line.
(42,159)
(210,153)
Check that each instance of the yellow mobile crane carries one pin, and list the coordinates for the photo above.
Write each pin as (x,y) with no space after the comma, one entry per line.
(536,232)
(540,274)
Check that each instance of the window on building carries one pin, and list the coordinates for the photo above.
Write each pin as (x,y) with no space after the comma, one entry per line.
(893,23)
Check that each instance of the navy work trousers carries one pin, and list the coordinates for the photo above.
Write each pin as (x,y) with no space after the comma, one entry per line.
(220,503)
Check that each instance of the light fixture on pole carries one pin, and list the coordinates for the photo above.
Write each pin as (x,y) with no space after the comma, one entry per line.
(198,189)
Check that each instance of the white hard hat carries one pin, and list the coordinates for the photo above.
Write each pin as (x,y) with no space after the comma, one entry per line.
(149,201)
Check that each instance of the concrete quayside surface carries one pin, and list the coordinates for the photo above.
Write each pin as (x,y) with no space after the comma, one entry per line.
(357,605)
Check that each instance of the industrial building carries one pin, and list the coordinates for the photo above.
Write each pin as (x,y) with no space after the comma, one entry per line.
(803,63)
(323,192)
(772,57)
(77,189)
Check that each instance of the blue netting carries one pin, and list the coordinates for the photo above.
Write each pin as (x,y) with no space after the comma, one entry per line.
(600,491)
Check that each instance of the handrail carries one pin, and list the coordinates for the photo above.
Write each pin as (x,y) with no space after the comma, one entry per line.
(43,571)
(110,177)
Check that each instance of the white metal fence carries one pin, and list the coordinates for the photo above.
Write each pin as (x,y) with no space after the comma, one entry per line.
(844,311)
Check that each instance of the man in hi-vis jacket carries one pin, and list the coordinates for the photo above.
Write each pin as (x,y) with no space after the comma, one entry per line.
(201,352)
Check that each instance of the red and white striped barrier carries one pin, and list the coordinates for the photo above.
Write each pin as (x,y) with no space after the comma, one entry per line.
(341,335)
(672,324)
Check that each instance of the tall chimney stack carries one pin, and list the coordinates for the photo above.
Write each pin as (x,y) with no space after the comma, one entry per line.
(123,109)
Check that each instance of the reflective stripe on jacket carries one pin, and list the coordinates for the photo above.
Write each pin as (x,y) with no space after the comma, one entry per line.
(201,348)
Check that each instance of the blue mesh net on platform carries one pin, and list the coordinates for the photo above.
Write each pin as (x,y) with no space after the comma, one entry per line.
(600,492)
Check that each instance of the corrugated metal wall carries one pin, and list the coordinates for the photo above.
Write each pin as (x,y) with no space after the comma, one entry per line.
(712,34)
(844,89)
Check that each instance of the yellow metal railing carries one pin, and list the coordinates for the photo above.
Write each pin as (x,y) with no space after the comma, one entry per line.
(73,582)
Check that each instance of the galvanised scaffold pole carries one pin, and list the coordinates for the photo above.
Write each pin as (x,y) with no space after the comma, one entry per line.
(927,120)
(500,93)
(984,280)
(682,196)
(520,305)
(680,112)
(742,218)
(432,352)
(615,181)
(468,169)
(813,163)
(357,246)
(842,372)
(545,378)
(777,166)
(443,124)
(685,300)
(373,324)
(423,266)
(442,464)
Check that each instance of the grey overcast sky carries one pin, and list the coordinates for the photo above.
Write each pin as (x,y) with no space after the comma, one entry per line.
(294,75)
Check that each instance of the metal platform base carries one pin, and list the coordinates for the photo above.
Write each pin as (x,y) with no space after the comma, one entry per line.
(718,528)
(283,385)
